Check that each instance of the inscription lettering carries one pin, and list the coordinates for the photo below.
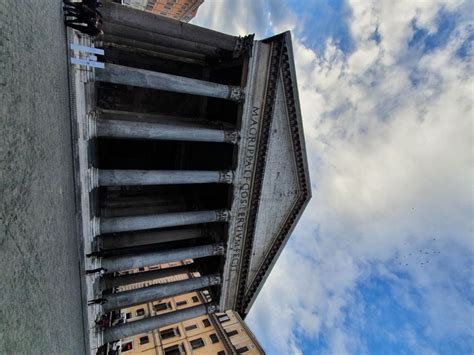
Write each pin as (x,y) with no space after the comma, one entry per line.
(245,189)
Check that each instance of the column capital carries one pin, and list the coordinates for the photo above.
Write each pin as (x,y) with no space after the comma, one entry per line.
(223,216)
(236,94)
(211,308)
(232,137)
(219,249)
(214,280)
(226,176)
(243,46)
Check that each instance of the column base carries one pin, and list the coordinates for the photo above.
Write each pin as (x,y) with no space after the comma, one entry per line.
(91,125)
(92,178)
(95,226)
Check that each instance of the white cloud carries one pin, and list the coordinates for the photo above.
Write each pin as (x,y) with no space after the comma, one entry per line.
(245,16)
(389,132)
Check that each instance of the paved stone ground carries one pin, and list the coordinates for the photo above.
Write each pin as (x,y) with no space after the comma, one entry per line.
(40,297)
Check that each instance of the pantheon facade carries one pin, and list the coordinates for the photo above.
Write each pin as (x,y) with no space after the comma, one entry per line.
(190,146)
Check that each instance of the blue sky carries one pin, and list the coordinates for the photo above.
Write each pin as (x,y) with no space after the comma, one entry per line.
(384,252)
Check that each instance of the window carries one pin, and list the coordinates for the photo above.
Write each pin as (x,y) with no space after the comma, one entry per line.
(127,346)
(169,333)
(197,343)
(214,339)
(141,269)
(161,307)
(140,312)
(175,350)
(181,303)
(232,333)
(128,315)
(222,352)
(144,340)
(195,299)
(242,350)
(224,318)
(190,327)
(206,322)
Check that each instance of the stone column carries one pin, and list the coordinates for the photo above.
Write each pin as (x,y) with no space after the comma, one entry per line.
(134,239)
(158,131)
(127,262)
(130,298)
(149,22)
(124,224)
(108,281)
(157,177)
(142,38)
(119,74)
(148,324)
(106,44)
(151,48)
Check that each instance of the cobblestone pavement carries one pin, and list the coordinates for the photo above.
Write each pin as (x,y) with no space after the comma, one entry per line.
(40,297)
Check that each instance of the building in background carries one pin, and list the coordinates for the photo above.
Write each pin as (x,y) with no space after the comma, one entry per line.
(221,333)
(182,10)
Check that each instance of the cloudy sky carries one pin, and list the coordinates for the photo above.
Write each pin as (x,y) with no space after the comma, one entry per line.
(382,260)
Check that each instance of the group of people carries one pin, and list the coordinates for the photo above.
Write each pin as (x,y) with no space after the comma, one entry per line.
(84,16)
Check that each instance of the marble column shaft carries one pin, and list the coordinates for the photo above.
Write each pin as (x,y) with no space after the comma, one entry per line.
(148,324)
(149,22)
(128,262)
(133,239)
(160,177)
(119,74)
(133,223)
(141,295)
(158,131)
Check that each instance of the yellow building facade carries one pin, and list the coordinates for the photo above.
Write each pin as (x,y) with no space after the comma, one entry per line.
(220,334)
(182,10)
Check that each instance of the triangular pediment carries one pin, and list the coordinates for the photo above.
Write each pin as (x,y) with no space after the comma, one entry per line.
(280,188)
(271,186)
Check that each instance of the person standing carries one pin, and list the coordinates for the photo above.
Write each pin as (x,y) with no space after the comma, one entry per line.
(84,17)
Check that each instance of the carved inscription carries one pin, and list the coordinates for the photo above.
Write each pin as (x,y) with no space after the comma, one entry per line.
(245,189)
